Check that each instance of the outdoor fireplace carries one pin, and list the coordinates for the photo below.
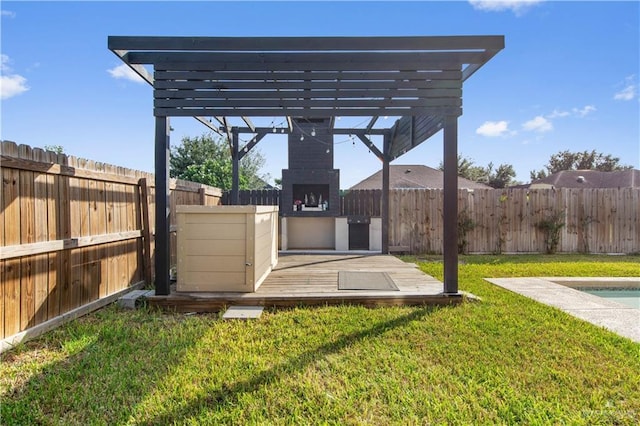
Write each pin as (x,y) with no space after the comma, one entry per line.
(310,186)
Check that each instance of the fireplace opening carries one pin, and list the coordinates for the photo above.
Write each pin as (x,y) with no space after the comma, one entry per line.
(311,196)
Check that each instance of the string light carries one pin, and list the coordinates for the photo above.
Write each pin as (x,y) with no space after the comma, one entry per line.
(313,131)
(302,137)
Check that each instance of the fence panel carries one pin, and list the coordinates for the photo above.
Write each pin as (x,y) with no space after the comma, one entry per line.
(72,232)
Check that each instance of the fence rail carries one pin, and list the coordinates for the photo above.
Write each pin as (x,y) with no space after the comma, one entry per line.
(73,231)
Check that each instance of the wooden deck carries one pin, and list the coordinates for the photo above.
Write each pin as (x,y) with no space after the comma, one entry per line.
(304,279)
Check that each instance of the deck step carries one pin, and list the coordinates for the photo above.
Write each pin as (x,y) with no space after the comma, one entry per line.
(128,301)
(243,312)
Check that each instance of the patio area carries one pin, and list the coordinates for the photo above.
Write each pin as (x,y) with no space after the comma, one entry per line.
(312,279)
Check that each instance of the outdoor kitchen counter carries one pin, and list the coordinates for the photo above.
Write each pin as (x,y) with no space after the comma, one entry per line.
(327,233)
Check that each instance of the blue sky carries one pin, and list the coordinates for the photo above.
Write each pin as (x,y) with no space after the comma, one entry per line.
(566,80)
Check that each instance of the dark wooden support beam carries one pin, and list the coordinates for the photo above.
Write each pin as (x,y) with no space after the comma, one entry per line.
(235,168)
(249,123)
(372,122)
(162,260)
(227,129)
(450,208)
(385,194)
(265,130)
(365,140)
(248,147)
(209,125)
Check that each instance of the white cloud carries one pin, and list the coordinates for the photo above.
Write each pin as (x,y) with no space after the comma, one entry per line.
(8,13)
(10,84)
(123,71)
(586,110)
(629,91)
(538,124)
(493,129)
(558,114)
(518,7)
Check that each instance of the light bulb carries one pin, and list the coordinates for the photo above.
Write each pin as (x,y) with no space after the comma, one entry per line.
(246,149)
(302,137)
(274,129)
(328,150)
(281,130)
(313,131)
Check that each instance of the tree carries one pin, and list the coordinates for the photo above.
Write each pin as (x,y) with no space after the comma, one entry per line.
(501,177)
(585,160)
(58,149)
(206,160)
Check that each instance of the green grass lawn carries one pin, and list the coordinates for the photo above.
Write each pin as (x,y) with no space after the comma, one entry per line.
(505,360)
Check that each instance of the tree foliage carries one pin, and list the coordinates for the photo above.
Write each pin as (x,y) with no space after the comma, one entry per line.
(207,160)
(58,149)
(501,177)
(585,160)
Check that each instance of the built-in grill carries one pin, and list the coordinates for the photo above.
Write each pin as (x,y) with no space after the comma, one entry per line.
(310,186)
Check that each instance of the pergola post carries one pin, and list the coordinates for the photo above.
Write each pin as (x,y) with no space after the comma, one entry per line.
(235,168)
(162,206)
(385,193)
(450,208)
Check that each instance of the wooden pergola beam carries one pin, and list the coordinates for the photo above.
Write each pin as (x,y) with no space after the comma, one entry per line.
(310,78)
(308,44)
(309,111)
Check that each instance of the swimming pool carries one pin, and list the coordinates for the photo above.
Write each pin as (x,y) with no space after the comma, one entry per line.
(627,296)
(563,293)
(620,290)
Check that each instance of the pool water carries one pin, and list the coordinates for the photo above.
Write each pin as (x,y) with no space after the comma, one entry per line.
(627,296)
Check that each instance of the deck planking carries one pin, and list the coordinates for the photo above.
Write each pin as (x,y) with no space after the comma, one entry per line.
(309,279)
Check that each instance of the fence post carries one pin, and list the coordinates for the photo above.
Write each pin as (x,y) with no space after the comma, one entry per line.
(146,234)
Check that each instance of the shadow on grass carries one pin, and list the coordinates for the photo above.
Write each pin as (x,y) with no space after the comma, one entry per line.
(113,362)
(230,394)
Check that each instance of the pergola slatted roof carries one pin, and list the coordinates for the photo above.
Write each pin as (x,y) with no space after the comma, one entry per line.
(418,79)
(308,76)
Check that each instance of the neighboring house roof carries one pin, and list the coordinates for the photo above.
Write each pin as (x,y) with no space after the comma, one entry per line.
(414,177)
(590,179)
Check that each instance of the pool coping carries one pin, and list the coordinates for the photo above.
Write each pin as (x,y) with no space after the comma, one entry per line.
(617,317)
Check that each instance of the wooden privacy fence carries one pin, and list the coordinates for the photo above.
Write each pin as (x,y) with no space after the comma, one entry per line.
(255,197)
(357,202)
(596,220)
(74,231)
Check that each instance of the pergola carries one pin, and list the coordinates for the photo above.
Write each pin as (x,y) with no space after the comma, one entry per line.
(418,79)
